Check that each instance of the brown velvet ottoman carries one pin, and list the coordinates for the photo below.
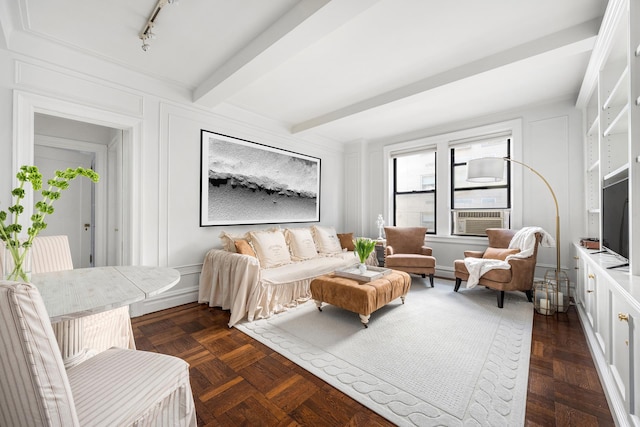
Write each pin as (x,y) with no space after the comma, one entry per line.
(360,297)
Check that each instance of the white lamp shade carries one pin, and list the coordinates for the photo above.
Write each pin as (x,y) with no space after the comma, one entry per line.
(487,169)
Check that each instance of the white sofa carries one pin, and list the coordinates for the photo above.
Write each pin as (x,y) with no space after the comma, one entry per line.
(276,276)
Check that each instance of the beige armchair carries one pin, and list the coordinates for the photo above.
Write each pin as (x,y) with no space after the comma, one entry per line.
(405,251)
(519,277)
(118,387)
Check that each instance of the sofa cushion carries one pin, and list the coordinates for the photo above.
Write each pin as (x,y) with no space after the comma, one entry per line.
(499,253)
(228,240)
(244,247)
(300,243)
(271,248)
(326,240)
(346,241)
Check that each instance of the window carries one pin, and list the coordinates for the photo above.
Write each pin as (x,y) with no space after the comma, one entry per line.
(473,195)
(415,190)
(427,181)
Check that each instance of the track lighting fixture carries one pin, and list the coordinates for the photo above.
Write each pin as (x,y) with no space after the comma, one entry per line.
(147,32)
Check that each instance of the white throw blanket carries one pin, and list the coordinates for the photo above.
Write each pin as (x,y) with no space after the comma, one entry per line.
(524,239)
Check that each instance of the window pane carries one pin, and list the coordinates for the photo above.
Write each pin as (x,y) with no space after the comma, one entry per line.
(416,210)
(481,199)
(460,178)
(416,172)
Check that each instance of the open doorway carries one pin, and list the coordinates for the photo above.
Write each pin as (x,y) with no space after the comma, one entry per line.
(89,214)
(123,182)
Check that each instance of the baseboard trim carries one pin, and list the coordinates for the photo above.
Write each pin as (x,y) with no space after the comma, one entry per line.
(165,300)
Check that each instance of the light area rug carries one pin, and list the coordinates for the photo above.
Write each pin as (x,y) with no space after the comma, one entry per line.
(442,358)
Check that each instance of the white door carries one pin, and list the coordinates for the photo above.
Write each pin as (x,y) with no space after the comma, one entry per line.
(74,211)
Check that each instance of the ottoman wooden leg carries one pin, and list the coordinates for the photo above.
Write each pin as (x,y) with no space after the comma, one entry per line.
(318,304)
(364,319)
(403,297)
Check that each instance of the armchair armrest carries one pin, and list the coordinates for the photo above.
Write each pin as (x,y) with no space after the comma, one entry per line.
(425,250)
(520,263)
(473,254)
(388,250)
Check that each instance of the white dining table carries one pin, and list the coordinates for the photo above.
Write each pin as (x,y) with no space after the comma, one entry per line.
(70,295)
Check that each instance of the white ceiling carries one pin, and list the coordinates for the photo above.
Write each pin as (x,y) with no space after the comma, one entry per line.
(343,69)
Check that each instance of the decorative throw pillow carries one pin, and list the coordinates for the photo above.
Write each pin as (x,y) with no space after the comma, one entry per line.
(346,241)
(326,240)
(244,247)
(229,240)
(300,243)
(271,248)
(499,253)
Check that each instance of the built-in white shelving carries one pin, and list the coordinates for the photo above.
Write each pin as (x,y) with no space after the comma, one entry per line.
(618,94)
(616,171)
(620,122)
(593,128)
(608,297)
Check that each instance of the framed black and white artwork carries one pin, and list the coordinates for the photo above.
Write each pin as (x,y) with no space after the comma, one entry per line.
(243,182)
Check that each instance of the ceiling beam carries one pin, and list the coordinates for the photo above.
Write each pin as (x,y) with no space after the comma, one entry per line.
(303,25)
(579,38)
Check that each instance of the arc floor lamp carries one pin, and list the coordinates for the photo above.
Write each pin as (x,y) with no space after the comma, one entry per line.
(491,169)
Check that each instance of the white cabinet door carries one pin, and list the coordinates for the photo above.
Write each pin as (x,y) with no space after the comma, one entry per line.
(590,295)
(624,352)
(603,314)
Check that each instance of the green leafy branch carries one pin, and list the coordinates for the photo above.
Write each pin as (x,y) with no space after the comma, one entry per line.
(10,233)
(364,247)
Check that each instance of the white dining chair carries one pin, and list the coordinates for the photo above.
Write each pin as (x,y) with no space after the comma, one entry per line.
(118,387)
(100,331)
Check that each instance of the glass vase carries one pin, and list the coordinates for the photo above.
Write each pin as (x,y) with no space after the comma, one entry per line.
(16,264)
(362,267)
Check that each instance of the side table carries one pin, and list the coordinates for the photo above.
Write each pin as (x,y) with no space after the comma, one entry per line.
(380,247)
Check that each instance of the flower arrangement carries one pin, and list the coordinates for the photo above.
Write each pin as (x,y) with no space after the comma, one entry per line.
(10,233)
(363,248)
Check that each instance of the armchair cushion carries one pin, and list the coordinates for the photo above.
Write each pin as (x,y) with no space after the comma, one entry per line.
(405,240)
(499,253)
(410,261)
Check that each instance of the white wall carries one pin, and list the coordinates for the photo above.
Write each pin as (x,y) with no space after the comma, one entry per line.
(165,132)
(551,144)
(165,137)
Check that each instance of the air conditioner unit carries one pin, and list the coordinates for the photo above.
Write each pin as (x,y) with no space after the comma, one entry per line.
(475,222)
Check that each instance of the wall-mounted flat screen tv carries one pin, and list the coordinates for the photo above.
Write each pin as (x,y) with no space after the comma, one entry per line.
(615,214)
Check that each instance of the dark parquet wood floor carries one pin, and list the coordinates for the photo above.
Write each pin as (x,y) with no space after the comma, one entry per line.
(239,381)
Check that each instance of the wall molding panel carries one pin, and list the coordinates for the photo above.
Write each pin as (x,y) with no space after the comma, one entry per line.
(86,91)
